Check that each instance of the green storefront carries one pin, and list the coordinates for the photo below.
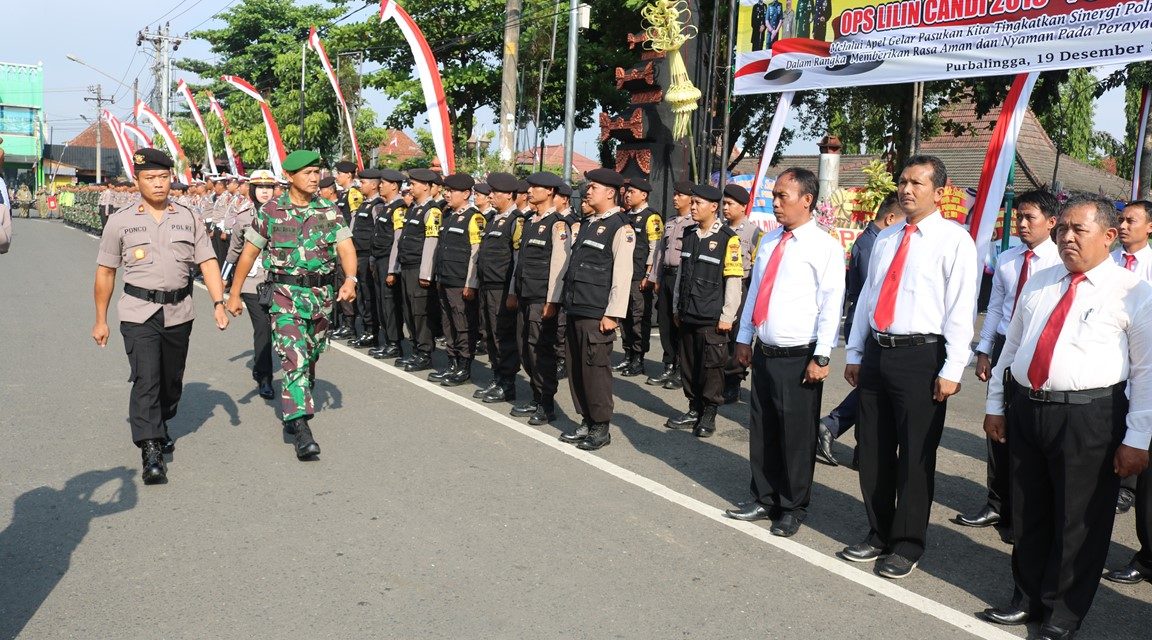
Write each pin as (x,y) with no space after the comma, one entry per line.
(21,123)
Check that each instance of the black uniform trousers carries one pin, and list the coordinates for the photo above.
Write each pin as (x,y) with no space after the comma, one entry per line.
(999,478)
(703,354)
(459,319)
(782,430)
(669,332)
(734,374)
(1063,500)
(389,303)
(636,325)
(898,434)
(561,341)
(498,324)
(345,315)
(537,341)
(589,368)
(156,356)
(1143,557)
(421,309)
(261,337)
(366,291)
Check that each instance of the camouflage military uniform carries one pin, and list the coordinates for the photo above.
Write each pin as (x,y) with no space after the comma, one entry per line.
(299,241)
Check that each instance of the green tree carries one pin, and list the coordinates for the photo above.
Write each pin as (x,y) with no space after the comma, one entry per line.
(1070,121)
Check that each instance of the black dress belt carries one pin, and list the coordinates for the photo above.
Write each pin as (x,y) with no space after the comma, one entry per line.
(312,280)
(1083,396)
(785,352)
(158,296)
(890,340)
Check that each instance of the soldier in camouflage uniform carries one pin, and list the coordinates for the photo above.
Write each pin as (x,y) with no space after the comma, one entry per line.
(303,235)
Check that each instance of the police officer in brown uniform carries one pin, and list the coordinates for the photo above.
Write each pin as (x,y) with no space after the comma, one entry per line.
(415,252)
(157,243)
(537,290)
(494,264)
(457,279)
(735,207)
(390,211)
(596,288)
(665,265)
(363,231)
(648,226)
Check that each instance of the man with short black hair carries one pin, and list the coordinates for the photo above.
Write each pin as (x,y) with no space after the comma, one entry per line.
(458,279)
(415,251)
(636,329)
(390,212)
(363,227)
(495,261)
(665,267)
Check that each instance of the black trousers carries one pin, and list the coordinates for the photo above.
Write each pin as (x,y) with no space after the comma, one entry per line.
(734,374)
(782,431)
(561,333)
(345,315)
(459,319)
(898,434)
(421,309)
(636,326)
(703,353)
(669,332)
(1063,501)
(1144,520)
(261,337)
(389,303)
(589,368)
(156,356)
(537,339)
(366,292)
(498,323)
(999,478)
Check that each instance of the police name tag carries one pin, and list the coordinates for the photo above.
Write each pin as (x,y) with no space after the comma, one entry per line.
(362,215)
(709,259)
(455,230)
(685,255)
(415,222)
(594,245)
(495,234)
(537,242)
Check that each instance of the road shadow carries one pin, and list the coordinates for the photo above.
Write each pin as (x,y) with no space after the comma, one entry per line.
(47,526)
(198,405)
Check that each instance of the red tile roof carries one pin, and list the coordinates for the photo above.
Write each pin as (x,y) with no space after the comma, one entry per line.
(554,157)
(399,145)
(87,138)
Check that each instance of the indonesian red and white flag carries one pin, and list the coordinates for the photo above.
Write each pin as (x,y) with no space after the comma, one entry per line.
(144,112)
(318,47)
(183,90)
(234,162)
(276,152)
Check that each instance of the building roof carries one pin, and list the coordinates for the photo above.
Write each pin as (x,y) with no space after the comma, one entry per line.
(87,137)
(399,145)
(554,157)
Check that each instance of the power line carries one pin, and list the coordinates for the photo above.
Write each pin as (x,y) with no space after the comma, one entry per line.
(190,7)
(177,6)
(225,8)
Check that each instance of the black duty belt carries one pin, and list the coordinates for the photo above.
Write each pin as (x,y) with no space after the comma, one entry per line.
(671,268)
(158,296)
(890,340)
(312,280)
(1083,396)
(785,352)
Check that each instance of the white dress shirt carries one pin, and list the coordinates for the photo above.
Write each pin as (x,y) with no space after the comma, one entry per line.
(1106,339)
(937,290)
(1143,261)
(1004,282)
(807,295)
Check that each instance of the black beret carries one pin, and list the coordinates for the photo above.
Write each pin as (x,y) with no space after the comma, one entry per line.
(371,174)
(327,182)
(459,182)
(392,175)
(544,179)
(640,184)
(683,187)
(179,186)
(427,176)
(521,186)
(606,177)
(708,192)
(736,192)
(564,189)
(482,188)
(149,158)
(503,182)
(345,166)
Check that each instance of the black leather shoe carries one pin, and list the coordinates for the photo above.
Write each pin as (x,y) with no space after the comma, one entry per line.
(168,445)
(561,369)
(624,364)
(860,552)
(502,393)
(675,382)
(524,410)
(441,375)
(342,332)
(706,426)
(750,512)
(786,526)
(732,394)
(636,368)
(403,360)
(154,471)
(462,374)
(985,517)
(578,434)
(388,351)
(598,437)
(366,340)
(659,379)
(824,445)
(420,362)
(542,416)
(684,420)
(306,446)
(1130,574)
(895,567)
(479,393)
(1010,616)
(265,390)
(1052,632)
(1125,500)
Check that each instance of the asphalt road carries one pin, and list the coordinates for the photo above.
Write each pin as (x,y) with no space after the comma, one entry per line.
(430,515)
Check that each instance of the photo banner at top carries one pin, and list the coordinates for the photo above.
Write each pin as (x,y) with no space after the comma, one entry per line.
(786,45)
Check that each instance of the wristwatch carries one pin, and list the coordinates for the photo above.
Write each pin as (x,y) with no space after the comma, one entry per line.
(218,302)
(821,361)
(352,278)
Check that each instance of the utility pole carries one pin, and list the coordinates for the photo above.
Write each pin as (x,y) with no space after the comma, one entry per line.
(99,121)
(162,41)
(570,94)
(508,83)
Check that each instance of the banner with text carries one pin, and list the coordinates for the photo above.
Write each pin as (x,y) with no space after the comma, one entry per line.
(823,44)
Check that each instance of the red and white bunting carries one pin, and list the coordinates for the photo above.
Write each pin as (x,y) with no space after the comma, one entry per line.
(1141,131)
(143,111)
(183,90)
(276,152)
(117,129)
(783,107)
(234,162)
(318,47)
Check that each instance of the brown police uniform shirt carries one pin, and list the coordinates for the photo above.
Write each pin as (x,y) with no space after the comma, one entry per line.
(154,255)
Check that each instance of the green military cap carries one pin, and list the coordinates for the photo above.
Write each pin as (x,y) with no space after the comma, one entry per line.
(299,159)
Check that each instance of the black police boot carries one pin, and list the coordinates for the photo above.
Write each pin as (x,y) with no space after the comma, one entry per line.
(674,381)
(481,392)
(264,388)
(390,350)
(504,392)
(366,340)
(342,332)
(154,472)
(624,364)
(441,375)
(598,437)
(462,374)
(306,446)
(169,445)
(561,368)
(636,368)
(659,379)
(707,424)
(732,392)
(528,408)
(290,426)
(686,420)
(545,412)
(419,362)
(578,434)
(403,360)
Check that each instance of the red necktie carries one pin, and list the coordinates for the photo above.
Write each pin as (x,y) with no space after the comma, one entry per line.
(1025,269)
(886,304)
(760,311)
(1129,262)
(1046,345)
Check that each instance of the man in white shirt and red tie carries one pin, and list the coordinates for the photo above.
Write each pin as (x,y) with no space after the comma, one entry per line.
(793,313)
(910,342)
(1081,331)
(1035,218)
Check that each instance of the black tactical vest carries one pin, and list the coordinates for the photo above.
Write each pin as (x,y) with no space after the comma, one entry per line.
(589,278)
(535,263)
(494,261)
(384,232)
(411,249)
(639,222)
(701,295)
(362,225)
(454,250)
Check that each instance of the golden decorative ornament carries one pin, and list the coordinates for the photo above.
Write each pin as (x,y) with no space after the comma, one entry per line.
(668,29)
